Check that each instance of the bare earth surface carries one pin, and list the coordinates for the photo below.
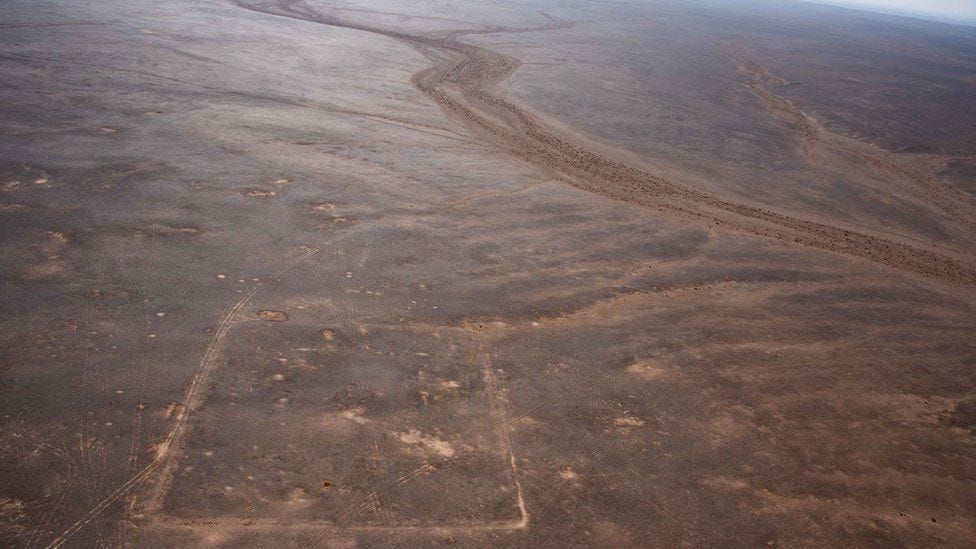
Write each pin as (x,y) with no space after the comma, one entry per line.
(337,273)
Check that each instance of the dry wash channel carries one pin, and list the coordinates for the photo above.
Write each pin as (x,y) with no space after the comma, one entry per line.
(463,81)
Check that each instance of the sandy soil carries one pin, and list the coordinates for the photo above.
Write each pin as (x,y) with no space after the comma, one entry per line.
(312,273)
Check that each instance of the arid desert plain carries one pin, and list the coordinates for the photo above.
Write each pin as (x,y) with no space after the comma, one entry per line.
(485,273)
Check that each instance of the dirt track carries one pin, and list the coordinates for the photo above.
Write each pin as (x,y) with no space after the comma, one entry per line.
(282,276)
(464,82)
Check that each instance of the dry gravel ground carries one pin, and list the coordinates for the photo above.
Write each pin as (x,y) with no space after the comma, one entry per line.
(399,273)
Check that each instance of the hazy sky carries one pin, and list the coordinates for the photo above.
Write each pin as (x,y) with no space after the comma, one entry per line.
(944,9)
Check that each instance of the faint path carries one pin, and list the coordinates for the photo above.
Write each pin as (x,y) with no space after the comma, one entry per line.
(817,142)
(463,81)
(170,449)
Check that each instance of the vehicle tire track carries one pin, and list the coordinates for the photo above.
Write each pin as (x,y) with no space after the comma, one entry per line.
(168,452)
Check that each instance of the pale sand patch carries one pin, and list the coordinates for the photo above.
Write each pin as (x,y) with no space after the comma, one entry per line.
(343,422)
(448,385)
(628,421)
(430,444)
(647,369)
